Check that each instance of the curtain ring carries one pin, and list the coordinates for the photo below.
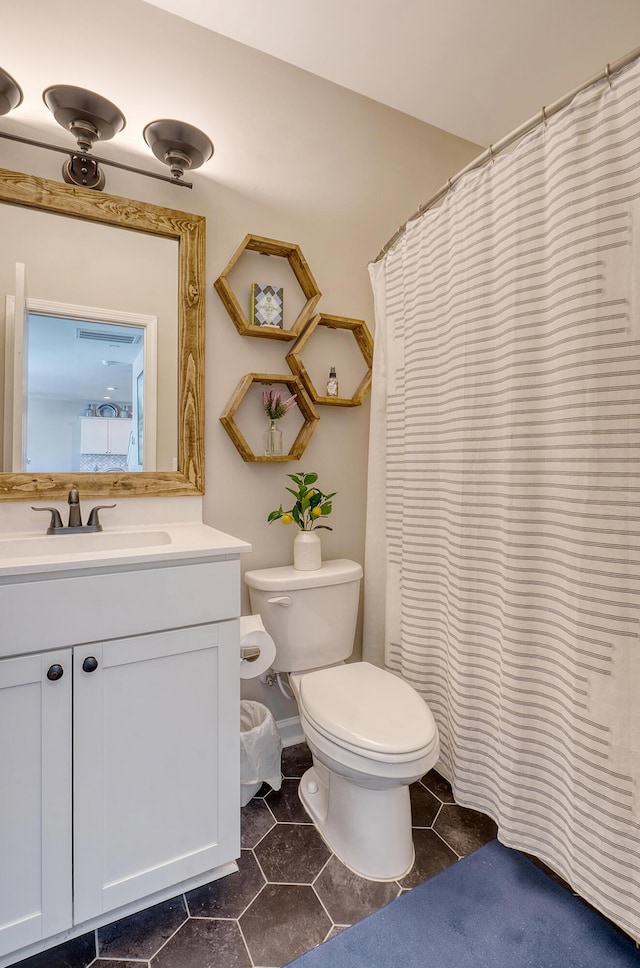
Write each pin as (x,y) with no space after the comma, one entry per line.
(491,154)
(449,185)
(607,74)
(544,115)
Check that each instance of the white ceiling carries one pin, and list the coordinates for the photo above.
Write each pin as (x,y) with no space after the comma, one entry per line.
(63,366)
(476,68)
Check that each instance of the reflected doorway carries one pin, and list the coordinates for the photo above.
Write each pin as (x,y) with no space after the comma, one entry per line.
(75,402)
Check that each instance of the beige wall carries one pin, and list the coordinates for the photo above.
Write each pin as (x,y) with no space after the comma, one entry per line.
(297,159)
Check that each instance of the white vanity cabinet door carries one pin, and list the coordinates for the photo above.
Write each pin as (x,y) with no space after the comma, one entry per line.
(35,798)
(105,435)
(156,779)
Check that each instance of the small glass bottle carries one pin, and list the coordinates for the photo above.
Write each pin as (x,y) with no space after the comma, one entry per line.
(332,383)
(273,440)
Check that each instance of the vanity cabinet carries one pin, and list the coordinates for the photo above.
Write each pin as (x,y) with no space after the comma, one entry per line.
(121,747)
(35,798)
(149,786)
(105,435)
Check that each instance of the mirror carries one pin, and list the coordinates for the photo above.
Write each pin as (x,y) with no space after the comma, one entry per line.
(188,232)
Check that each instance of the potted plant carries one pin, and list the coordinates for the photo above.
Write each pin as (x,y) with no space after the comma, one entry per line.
(310,509)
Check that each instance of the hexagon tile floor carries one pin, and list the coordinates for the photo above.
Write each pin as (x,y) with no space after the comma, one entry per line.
(290,892)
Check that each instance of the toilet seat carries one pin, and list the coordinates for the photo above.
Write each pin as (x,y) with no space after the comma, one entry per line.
(368,711)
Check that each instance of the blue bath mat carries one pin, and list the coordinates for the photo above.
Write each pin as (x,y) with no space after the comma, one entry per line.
(494,909)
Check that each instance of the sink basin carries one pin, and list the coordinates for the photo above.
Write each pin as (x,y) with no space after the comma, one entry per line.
(38,546)
(26,554)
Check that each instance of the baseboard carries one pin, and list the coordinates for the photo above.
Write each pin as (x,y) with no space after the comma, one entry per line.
(290,731)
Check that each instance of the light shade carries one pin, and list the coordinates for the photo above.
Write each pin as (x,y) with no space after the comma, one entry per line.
(178,145)
(88,116)
(10,93)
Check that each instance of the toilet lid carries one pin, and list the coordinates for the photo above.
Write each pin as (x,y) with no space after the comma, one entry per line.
(367,708)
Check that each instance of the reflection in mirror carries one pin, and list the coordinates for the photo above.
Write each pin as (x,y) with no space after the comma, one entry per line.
(129,276)
(84,251)
(81,398)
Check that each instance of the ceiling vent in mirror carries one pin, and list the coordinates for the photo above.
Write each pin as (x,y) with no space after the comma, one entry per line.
(102,337)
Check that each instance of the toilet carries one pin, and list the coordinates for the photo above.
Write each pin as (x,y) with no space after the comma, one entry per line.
(370,733)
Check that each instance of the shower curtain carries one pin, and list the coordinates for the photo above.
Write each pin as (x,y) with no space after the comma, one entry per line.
(503,559)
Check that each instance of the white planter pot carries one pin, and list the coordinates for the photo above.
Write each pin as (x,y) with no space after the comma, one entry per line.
(307,551)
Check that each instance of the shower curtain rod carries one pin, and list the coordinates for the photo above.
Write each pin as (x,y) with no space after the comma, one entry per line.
(489,153)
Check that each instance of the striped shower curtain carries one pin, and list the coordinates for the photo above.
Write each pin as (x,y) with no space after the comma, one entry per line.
(503,558)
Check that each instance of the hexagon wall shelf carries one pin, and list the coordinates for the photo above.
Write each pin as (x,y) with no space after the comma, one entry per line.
(306,407)
(300,269)
(362,337)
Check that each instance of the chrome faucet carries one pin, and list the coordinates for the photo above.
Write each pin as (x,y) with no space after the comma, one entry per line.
(75,525)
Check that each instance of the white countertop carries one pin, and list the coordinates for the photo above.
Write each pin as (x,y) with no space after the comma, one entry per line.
(23,554)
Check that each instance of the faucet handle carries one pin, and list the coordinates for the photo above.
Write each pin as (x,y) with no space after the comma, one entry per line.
(94,521)
(56,521)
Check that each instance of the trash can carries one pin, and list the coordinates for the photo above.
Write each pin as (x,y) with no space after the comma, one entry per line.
(260,750)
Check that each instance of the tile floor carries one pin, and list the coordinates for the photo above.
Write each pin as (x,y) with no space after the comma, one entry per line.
(289,894)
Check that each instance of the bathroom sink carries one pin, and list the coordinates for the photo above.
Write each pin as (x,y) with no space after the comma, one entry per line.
(38,546)
(27,553)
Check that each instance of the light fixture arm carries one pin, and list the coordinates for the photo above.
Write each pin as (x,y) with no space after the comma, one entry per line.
(73,152)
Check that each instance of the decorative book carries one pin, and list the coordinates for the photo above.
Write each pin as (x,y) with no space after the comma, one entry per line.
(266,306)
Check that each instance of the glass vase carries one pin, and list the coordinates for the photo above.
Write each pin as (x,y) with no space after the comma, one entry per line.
(273,440)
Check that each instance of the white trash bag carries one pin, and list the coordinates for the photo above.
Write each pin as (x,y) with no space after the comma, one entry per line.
(260,750)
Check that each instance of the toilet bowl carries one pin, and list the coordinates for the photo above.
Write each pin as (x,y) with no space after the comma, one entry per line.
(370,733)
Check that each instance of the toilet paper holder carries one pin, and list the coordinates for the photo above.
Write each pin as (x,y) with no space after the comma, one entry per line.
(257,648)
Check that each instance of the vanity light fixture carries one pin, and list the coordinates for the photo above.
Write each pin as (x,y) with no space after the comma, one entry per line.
(91,118)
(178,145)
(10,93)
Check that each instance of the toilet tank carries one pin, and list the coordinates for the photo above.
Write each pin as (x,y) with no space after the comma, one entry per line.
(310,615)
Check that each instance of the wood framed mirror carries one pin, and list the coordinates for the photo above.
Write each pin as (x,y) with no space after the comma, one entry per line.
(188,231)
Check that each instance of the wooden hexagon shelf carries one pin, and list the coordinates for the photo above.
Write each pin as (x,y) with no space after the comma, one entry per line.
(362,337)
(306,407)
(300,269)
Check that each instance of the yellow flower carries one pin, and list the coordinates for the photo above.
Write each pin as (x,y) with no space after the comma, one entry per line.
(316,512)
(286,519)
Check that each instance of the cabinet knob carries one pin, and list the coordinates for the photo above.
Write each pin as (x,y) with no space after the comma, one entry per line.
(90,664)
(55,672)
